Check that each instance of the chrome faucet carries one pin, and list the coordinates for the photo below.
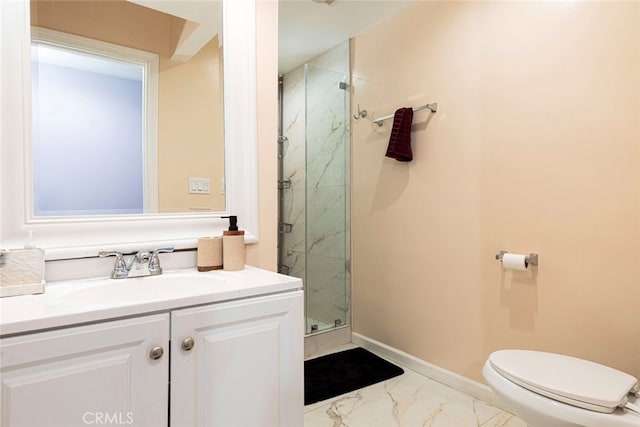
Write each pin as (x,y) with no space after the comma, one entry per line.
(142,263)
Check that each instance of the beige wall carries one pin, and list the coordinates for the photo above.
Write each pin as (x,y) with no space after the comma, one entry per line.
(191,131)
(264,253)
(535,148)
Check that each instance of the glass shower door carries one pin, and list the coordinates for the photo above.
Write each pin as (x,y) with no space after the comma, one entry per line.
(327,199)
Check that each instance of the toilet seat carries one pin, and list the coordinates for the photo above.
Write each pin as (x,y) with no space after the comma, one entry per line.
(578,382)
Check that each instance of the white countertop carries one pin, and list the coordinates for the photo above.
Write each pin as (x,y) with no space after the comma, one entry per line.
(73,302)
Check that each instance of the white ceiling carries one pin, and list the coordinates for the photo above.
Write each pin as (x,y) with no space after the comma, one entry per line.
(307,29)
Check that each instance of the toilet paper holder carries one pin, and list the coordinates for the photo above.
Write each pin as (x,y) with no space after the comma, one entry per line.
(531,259)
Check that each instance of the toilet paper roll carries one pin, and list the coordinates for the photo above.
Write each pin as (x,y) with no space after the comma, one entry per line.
(209,253)
(515,262)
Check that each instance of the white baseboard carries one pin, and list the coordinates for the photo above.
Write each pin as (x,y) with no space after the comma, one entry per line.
(436,373)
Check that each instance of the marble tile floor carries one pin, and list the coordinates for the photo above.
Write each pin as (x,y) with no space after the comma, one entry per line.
(409,400)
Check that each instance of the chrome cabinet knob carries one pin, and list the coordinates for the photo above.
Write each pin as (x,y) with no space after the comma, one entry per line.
(156,353)
(188,344)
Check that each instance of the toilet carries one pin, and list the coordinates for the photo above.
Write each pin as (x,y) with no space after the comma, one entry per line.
(553,390)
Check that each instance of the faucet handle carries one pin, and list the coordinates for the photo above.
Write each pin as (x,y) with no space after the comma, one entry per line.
(103,254)
(163,249)
(120,270)
(154,261)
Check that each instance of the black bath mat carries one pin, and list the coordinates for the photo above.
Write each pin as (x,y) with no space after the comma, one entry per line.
(338,373)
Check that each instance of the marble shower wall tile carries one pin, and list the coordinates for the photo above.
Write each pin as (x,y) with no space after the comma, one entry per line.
(326,211)
(294,212)
(326,130)
(293,206)
(294,127)
(296,261)
(335,59)
(326,288)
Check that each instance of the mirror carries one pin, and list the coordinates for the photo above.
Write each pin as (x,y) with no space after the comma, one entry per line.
(127,113)
(84,236)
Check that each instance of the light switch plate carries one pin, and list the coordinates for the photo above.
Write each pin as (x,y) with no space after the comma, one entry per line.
(199,186)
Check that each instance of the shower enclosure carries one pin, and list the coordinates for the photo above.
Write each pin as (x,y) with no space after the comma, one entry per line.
(313,182)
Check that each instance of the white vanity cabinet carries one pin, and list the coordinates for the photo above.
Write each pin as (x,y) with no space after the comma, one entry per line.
(224,364)
(113,373)
(238,364)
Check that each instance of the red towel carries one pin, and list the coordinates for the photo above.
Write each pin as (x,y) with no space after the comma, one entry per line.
(400,140)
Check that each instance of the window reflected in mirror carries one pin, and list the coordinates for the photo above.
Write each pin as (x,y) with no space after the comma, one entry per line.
(113,135)
(88,133)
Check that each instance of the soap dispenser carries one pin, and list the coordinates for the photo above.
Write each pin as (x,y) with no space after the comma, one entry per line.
(233,249)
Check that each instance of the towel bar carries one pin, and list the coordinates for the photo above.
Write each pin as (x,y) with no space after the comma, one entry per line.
(433,107)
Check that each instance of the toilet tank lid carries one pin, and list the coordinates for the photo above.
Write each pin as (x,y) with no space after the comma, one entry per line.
(575,381)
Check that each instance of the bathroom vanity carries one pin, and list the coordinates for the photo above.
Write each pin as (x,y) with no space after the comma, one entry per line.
(180,349)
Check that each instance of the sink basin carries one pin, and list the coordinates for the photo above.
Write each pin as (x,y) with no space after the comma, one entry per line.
(135,290)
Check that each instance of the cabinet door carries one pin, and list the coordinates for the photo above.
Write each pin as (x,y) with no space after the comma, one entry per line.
(246,366)
(93,374)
